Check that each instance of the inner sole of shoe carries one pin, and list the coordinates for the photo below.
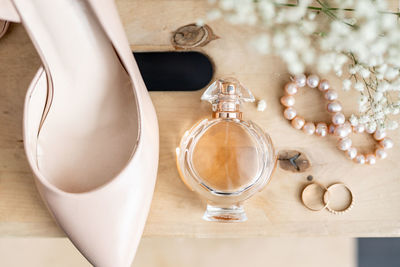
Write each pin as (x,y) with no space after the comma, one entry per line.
(91,129)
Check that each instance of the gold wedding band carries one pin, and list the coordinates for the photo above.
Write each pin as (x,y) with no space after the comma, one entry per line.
(327,200)
(307,188)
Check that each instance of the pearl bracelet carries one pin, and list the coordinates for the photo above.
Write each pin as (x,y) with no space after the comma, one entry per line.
(338,127)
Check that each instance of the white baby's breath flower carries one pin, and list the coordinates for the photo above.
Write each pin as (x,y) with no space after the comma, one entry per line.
(365,9)
(290,56)
(379,115)
(200,22)
(363,44)
(339,28)
(369,31)
(353,70)
(279,40)
(365,73)
(325,62)
(376,107)
(261,44)
(383,86)
(383,101)
(382,68)
(214,14)
(392,125)
(359,86)
(362,100)
(308,56)
(308,27)
(267,10)
(362,108)
(296,67)
(378,96)
(227,4)
(371,126)
(353,120)
(391,73)
(311,15)
(387,110)
(340,60)
(261,105)
(363,119)
(351,21)
(346,84)
(388,22)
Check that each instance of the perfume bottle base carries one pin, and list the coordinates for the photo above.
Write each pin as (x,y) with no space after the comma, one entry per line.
(232,213)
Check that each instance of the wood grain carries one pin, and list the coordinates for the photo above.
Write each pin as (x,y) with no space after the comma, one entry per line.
(176,211)
(182,252)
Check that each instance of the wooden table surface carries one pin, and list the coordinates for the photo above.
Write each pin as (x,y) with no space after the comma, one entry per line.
(176,211)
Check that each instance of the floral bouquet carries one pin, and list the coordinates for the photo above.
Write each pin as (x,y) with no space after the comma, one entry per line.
(358,40)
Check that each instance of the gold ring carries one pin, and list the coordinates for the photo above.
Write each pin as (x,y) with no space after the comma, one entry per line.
(327,200)
(308,187)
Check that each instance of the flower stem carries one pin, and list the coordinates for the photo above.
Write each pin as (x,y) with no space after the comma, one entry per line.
(333,8)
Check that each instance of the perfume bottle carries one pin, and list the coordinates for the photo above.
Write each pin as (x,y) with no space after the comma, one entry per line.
(226,159)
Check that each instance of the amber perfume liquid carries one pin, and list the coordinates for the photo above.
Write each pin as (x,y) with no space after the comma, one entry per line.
(226,159)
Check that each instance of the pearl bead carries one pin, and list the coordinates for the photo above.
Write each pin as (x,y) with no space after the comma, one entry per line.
(379,135)
(334,107)
(338,118)
(370,159)
(288,100)
(323,85)
(360,128)
(331,128)
(291,88)
(289,113)
(380,153)
(309,128)
(300,80)
(321,129)
(343,130)
(360,159)
(298,122)
(312,80)
(386,143)
(331,95)
(351,153)
(344,144)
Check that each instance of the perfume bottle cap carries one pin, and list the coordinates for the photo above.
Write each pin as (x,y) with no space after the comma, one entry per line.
(226,95)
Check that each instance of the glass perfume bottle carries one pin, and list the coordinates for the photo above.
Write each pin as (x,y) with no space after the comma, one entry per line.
(226,159)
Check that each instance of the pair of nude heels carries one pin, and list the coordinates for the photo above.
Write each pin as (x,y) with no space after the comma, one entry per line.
(90,129)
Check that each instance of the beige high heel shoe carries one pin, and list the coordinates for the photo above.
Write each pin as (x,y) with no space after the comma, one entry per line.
(90,129)
(4,24)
